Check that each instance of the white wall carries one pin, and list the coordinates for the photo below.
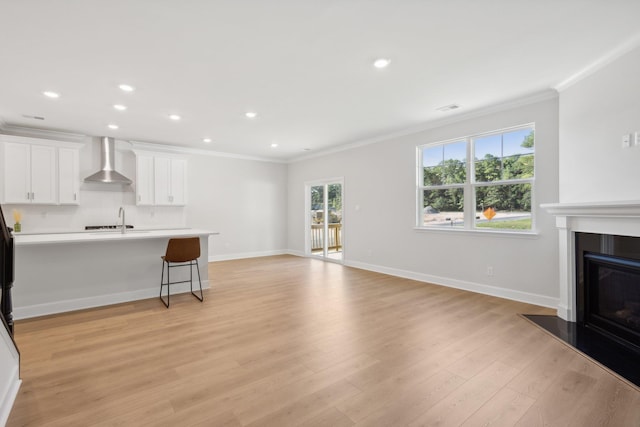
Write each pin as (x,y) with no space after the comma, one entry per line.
(380,179)
(242,199)
(594,114)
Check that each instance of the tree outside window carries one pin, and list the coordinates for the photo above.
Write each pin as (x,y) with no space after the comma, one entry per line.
(495,189)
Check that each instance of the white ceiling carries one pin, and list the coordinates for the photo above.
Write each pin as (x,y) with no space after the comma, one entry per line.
(305,66)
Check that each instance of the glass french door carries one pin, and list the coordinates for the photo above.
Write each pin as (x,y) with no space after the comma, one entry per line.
(324,221)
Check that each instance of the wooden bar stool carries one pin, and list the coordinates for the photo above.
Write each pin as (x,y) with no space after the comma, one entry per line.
(183,252)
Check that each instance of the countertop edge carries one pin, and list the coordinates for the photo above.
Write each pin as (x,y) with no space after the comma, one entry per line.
(57,238)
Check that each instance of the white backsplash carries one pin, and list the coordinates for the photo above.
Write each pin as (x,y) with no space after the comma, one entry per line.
(98,206)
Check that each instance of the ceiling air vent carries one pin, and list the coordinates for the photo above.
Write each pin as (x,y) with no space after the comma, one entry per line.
(448,107)
(27,116)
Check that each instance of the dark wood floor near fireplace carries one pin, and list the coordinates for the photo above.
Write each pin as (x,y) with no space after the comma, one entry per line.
(284,340)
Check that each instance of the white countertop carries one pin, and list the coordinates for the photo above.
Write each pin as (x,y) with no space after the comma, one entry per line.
(106,235)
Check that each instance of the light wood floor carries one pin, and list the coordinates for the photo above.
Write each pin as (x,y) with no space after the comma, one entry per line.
(292,341)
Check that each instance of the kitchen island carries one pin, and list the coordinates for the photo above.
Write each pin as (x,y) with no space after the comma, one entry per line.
(60,272)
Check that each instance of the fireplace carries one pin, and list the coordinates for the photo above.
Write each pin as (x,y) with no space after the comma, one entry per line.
(608,285)
(599,282)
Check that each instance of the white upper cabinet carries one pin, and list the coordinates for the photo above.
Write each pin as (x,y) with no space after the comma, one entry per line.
(144,180)
(37,171)
(178,181)
(30,173)
(43,175)
(161,179)
(68,173)
(17,173)
(170,181)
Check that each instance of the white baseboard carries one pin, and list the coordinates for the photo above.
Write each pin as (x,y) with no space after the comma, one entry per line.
(296,253)
(10,374)
(6,401)
(243,255)
(526,297)
(26,312)
(565,313)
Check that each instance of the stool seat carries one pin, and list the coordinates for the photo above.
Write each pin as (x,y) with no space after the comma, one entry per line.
(181,252)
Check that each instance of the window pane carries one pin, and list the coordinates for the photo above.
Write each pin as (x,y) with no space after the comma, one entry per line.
(506,207)
(432,165)
(504,156)
(335,203)
(445,164)
(488,158)
(518,154)
(317,204)
(443,208)
(455,163)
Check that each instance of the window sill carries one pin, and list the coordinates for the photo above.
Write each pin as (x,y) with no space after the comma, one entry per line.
(493,233)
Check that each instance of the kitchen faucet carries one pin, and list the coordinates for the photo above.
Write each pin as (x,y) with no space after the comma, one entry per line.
(121,212)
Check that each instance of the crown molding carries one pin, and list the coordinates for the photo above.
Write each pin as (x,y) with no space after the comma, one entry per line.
(479,112)
(164,148)
(40,141)
(14,130)
(600,63)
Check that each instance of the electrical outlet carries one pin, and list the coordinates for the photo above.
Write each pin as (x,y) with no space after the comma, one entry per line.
(636,139)
(626,140)
(490,270)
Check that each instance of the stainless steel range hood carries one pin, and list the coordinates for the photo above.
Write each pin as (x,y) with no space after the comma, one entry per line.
(107,173)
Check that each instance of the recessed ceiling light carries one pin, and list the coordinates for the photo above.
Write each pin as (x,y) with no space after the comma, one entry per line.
(381,62)
(50,94)
(251,114)
(113,126)
(174,117)
(127,88)
(120,107)
(207,140)
(274,145)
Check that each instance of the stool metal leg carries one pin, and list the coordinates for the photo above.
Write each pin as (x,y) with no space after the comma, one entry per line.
(201,297)
(168,284)
(162,284)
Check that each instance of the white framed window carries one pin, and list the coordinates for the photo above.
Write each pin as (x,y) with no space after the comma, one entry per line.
(480,182)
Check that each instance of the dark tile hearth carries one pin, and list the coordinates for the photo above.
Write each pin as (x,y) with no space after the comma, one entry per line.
(620,359)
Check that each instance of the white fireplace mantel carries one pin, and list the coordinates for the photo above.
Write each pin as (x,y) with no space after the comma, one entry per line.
(619,218)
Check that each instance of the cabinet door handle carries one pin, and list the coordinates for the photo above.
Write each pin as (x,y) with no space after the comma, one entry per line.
(28,196)
(139,198)
(75,196)
(33,196)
